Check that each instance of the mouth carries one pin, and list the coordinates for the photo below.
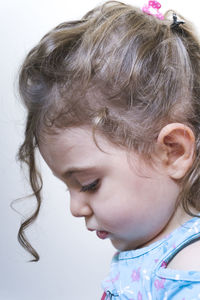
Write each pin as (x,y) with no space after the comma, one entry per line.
(102,234)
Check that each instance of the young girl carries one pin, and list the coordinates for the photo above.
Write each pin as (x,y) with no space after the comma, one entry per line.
(113,105)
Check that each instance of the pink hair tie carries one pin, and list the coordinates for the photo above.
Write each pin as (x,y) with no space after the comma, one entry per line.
(153,9)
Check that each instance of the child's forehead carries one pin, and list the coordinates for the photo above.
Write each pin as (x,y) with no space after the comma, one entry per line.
(74,139)
(75,148)
(66,135)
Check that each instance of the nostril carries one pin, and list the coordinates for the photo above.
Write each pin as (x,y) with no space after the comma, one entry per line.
(74,211)
(80,210)
(76,214)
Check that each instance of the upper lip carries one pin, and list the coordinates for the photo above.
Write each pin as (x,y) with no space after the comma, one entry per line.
(90,229)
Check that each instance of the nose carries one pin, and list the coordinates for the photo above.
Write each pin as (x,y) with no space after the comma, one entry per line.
(80,208)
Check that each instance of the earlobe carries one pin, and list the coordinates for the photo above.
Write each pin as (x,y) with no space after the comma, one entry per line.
(176,142)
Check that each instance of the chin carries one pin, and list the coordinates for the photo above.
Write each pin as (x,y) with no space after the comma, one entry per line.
(121,246)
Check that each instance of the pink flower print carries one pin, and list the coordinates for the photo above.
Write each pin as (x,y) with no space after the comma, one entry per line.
(159,284)
(164,264)
(136,275)
(139,296)
(174,246)
(167,236)
(114,279)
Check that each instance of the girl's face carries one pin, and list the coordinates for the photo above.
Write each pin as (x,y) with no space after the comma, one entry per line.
(120,197)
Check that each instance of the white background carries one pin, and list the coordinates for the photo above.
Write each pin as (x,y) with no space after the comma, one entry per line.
(72,261)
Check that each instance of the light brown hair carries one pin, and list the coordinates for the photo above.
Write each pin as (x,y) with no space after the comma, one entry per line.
(123,72)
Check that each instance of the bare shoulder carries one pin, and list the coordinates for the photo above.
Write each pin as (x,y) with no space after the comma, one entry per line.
(188,259)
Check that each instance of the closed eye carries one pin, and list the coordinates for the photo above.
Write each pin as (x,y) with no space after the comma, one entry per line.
(90,187)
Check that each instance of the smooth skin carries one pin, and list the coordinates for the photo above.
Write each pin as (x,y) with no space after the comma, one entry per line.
(132,201)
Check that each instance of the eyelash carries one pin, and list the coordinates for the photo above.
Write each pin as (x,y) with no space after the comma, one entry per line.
(90,187)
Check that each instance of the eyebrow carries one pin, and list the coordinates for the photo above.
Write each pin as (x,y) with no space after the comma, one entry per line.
(67,174)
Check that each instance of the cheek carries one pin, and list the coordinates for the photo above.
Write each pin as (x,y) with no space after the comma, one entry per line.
(135,201)
(117,212)
(137,210)
(122,202)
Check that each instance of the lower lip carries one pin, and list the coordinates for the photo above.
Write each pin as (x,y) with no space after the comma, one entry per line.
(102,234)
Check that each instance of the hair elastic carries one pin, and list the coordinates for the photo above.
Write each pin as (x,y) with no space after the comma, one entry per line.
(175,24)
(153,9)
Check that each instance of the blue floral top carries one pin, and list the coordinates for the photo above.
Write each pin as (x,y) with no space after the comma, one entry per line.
(142,274)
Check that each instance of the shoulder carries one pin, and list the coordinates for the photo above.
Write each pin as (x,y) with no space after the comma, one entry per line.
(188,259)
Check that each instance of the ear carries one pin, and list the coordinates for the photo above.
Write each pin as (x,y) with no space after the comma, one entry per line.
(176,144)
